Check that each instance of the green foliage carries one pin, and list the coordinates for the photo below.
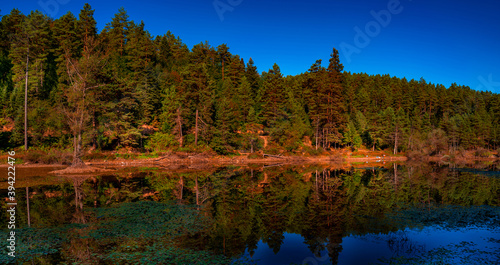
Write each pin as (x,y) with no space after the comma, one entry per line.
(351,136)
(161,141)
(481,152)
(53,156)
(156,83)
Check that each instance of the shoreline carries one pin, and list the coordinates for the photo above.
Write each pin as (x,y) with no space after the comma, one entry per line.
(177,160)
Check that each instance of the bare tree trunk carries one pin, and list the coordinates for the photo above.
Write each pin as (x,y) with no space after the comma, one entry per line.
(317,128)
(77,155)
(74,147)
(179,123)
(327,143)
(94,127)
(196,130)
(26,103)
(396,141)
(323,138)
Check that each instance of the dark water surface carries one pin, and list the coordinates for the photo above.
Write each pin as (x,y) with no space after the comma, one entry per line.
(394,214)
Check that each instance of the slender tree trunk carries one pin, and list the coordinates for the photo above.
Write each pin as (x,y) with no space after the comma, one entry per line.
(196,130)
(94,127)
(26,103)
(74,148)
(179,123)
(396,140)
(77,155)
(323,136)
(326,139)
(317,131)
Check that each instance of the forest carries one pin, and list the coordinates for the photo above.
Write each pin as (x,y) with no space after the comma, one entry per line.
(123,89)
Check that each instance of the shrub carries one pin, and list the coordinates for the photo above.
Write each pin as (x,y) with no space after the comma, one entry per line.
(312,151)
(49,157)
(255,155)
(95,155)
(34,157)
(160,141)
(481,152)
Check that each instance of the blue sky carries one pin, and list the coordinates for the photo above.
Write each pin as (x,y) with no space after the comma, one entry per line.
(441,41)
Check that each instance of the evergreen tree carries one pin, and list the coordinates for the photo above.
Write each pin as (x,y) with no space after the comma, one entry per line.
(272,96)
(253,77)
(86,23)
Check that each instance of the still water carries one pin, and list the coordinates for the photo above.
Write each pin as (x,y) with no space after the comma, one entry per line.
(392,214)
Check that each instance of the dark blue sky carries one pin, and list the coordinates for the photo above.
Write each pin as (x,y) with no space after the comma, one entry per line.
(441,41)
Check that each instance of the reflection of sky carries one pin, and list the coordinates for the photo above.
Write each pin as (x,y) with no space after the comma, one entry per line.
(293,250)
(371,247)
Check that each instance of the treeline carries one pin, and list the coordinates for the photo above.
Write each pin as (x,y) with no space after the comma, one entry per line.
(123,88)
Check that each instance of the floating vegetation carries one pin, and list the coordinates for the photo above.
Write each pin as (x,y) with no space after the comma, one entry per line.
(458,253)
(132,233)
(449,216)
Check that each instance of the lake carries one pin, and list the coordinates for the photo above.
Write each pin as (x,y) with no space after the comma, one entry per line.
(403,213)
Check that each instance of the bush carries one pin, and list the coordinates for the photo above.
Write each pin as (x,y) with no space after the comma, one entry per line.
(160,141)
(50,157)
(34,157)
(312,151)
(481,152)
(254,155)
(414,155)
(96,155)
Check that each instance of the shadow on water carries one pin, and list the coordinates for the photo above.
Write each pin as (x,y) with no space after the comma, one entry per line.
(396,214)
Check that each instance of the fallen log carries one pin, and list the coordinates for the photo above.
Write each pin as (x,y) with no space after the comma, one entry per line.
(277,156)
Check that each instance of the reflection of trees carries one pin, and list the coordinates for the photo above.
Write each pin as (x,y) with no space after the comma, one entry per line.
(80,247)
(325,215)
(79,215)
(246,206)
(322,207)
(400,244)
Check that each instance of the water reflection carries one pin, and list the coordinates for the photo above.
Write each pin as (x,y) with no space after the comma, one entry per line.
(271,215)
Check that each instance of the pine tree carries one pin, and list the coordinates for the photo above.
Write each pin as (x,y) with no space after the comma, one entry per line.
(65,34)
(253,77)
(272,96)
(332,103)
(116,32)
(245,100)
(86,23)
(29,50)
